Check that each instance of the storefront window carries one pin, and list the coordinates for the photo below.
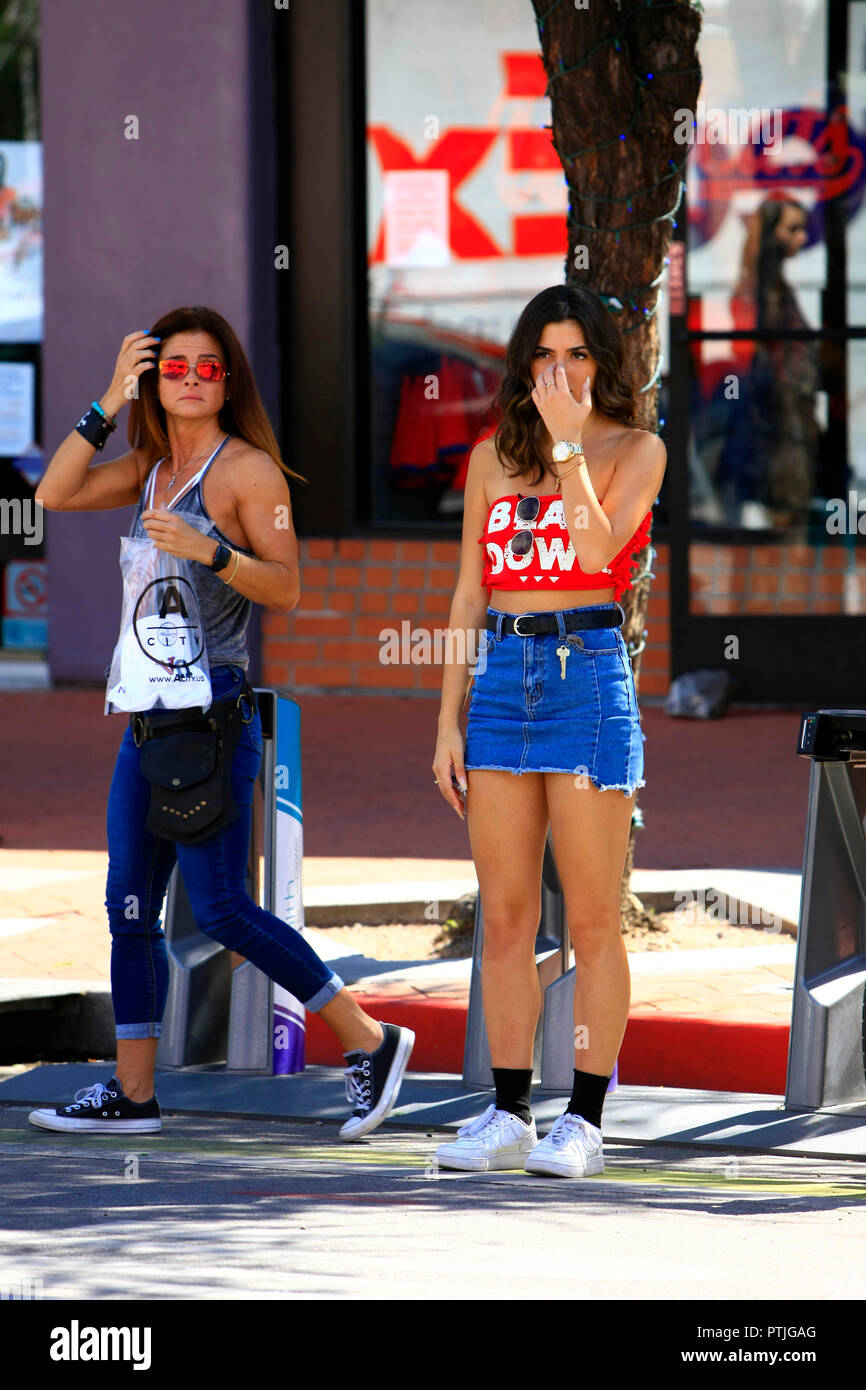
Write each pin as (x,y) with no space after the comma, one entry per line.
(466,222)
(776,182)
(23,578)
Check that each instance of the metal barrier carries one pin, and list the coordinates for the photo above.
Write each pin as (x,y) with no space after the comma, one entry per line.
(826,1047)
(552,948)
(215,1013)
(557,1035)
(195,1022)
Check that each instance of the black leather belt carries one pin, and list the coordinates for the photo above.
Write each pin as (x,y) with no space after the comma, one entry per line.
(230,709)
(535,624)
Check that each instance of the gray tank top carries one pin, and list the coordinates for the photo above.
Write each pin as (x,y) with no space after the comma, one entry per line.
(225,613)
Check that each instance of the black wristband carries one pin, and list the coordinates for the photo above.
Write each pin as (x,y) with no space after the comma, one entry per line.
(95,428)
(221,558)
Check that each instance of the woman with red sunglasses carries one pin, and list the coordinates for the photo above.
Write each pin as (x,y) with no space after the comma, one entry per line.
(557,509)
(205,469)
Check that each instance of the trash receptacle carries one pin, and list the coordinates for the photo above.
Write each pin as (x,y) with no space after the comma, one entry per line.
(215,1013)
(267,1024)
(826,1047)
(195,1021)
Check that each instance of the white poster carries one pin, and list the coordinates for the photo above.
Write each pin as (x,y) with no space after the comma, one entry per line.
(17,394)
(21,272)
(416,217)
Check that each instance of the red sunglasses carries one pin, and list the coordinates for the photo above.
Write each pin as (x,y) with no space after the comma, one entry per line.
(176,368)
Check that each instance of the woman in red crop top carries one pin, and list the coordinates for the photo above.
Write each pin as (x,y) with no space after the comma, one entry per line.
(553,733)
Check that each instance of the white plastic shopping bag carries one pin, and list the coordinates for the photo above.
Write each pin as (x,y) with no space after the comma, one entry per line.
(160,660)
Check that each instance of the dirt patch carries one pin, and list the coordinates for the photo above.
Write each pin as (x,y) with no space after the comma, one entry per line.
(670,931)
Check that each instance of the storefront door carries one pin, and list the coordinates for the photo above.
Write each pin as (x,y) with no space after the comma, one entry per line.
(768,361)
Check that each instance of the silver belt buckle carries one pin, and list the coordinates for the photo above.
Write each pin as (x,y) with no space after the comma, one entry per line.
(516,625)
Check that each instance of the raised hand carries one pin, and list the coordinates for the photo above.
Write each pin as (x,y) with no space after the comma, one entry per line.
(563,415)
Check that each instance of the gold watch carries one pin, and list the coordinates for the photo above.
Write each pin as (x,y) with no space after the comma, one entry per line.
(565,449)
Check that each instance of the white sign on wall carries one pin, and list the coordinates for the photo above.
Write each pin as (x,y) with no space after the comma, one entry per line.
(416,217)
(17,394)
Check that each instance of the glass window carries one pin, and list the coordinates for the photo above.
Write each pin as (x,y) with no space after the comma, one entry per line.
(776,232)
(466,222)
(23,577)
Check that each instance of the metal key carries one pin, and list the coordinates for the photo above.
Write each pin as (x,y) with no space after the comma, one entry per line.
(562,653)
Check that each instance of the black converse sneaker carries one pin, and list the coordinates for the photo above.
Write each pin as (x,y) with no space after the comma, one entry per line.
(373,1080)
(101,1109)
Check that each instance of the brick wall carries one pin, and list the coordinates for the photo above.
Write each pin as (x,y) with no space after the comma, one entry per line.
(655,662)
(775,579)
(354,589)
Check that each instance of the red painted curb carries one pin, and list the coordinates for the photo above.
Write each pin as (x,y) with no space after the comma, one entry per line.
(708,1054)
(658,1049)
(439,1026)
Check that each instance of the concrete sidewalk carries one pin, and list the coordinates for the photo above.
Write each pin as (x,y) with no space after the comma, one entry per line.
(725,793)
(684,1004)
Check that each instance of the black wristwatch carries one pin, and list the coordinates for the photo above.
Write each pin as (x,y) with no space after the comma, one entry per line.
(222,557)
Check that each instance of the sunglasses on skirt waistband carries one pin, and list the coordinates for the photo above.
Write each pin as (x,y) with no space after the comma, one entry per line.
(537,624)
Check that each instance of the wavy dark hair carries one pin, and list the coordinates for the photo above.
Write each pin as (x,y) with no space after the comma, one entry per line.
(243,414)
(518,434)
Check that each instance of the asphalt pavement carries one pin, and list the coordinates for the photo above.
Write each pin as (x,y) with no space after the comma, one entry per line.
(229,1209)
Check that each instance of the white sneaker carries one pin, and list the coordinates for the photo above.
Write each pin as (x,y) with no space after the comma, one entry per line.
(572,1149)
(496,1140)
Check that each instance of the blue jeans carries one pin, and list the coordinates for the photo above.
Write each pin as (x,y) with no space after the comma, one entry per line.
(214,874)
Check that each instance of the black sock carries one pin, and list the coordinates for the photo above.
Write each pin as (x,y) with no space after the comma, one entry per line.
(587,1096)
(513,1089)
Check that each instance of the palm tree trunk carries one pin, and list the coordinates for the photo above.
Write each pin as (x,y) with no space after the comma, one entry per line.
(623,69)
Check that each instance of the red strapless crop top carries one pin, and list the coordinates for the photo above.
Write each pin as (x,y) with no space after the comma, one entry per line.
(552,562)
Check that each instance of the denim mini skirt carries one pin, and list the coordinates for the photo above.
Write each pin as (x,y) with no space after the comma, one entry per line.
(534,709)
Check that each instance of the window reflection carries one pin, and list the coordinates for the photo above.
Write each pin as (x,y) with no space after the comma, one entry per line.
(762,460)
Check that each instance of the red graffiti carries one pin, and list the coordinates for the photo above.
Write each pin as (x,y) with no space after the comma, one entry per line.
(459,152)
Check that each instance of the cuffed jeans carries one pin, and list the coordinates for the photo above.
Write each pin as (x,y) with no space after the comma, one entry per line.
(214,874)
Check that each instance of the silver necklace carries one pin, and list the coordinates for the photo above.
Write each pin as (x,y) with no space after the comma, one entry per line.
(178,471)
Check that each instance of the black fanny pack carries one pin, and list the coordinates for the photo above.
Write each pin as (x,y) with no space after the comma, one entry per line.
(187,756)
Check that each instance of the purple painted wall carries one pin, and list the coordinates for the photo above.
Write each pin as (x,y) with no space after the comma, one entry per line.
(182,215)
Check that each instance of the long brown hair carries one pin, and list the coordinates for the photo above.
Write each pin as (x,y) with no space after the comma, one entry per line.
(520,428)
(762,280)
(243,414)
